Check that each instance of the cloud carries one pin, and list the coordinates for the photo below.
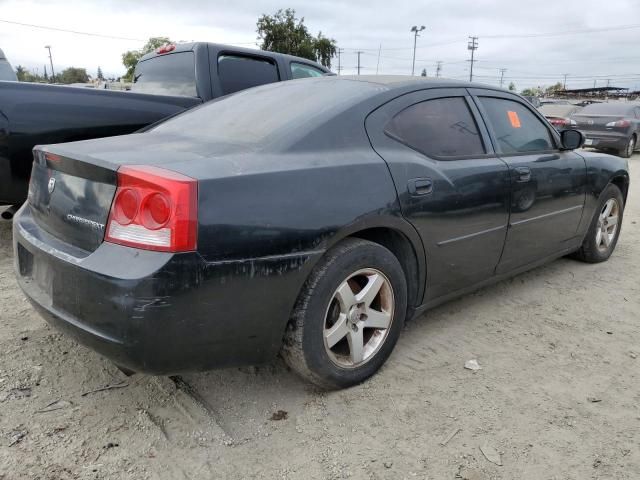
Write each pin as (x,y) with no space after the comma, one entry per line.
(356,25)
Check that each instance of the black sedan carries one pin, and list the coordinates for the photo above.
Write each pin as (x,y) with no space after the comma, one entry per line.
(310,218)
(610,126)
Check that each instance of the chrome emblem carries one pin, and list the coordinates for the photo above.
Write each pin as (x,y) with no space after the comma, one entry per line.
(52,185)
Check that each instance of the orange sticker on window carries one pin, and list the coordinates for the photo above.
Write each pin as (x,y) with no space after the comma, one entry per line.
(514,119)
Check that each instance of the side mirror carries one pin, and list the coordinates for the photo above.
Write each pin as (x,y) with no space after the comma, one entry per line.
(571,139)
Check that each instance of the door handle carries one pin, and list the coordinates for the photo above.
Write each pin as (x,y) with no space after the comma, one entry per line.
(420,186)
(523,174)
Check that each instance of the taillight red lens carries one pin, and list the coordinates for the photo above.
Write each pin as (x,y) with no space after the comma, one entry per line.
(154,209)
(125,206)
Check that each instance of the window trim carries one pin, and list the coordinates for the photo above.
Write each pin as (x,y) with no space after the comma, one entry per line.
(473,115)
(195,73)
(492,134)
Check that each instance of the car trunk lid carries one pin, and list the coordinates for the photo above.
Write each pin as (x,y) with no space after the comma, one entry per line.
(595,122)
(70,198)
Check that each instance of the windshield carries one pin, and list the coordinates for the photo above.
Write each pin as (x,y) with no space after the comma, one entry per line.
(6,72)
(173,74)
(250,116)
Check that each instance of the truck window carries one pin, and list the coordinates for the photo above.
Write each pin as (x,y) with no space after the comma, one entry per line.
(173,74)
(241,72)
(302,70)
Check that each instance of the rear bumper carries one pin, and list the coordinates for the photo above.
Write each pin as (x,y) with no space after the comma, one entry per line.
(597,139)
(155,312)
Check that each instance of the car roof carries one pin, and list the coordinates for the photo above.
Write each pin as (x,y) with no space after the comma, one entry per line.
(189,46)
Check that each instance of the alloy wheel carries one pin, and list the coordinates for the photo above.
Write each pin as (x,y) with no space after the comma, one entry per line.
(607,224)
(358,318)
(631,146)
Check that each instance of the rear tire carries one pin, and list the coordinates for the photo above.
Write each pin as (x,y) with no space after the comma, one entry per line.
(348,316)
(629,149)
(604,231)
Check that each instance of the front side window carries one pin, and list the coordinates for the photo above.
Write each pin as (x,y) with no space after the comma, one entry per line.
(442,127)
(173,74)
(302,70)
(516,128)
(238,72)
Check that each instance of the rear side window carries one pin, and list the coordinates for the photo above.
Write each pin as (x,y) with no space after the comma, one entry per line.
(443,127)
(516,128)
(239,73)
(301,70)
(173,74)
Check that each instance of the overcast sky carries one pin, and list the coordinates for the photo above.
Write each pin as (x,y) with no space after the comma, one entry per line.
(590,40)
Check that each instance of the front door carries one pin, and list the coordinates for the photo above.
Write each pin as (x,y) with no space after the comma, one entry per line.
(547,184)
(451,186)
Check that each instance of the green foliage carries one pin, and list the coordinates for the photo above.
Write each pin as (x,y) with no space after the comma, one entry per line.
(130,58)
(284,33)
(549,91)
(99,75)
(25,75)
(73,75)
(512,87)
(424,72)
(531,92)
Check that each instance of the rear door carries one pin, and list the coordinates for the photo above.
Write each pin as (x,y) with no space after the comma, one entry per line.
(451,186)
(547,184)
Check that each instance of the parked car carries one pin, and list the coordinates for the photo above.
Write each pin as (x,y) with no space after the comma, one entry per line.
(173,79)
(535,101)
(6,70)
(228,233)
(559,114)
(614,126)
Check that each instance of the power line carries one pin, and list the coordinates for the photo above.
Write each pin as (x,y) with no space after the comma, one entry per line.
(44,27)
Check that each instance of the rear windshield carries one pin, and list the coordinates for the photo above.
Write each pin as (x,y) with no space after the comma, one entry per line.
(607,109)
(6,72)
(173,74)
(268,112)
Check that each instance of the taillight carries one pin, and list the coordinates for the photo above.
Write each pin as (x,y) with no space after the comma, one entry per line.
(619,124)
(154,209)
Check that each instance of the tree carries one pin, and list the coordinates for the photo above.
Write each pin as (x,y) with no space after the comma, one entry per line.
(512,87)
(21,73)
(99,74)
(73,75)
(284,33)
(550,91)
(532,92)
(424,72)
(130,58)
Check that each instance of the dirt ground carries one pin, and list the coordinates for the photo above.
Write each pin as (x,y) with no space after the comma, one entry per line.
(558,395)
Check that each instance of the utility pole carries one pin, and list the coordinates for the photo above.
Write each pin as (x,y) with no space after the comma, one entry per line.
(340,50)
(53,75)
(564,83)
(473,46)
(502,70)
(438,69)
(608,82)
(378,63)
(359,53)
(416,32)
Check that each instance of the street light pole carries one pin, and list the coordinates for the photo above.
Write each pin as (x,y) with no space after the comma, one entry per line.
(416,32)
(53,75)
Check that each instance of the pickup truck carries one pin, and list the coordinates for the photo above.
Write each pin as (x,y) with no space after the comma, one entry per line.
(168,81)
(6,71)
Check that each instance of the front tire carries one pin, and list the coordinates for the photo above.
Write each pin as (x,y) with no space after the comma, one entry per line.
(348,316)
(604,230)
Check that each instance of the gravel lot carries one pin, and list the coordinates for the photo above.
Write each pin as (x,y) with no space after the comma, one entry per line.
(557,397)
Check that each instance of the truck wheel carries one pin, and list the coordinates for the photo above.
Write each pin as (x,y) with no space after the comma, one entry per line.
(629,149)
(348,316)
(604,230)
